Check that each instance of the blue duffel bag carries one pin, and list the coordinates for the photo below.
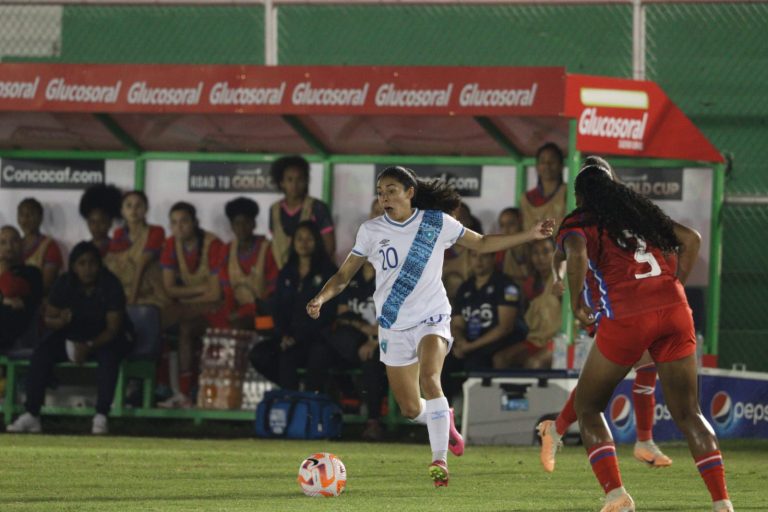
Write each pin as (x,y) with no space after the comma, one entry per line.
(298,415)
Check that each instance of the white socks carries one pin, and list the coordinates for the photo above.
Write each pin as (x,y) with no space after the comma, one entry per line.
(421,419)
(438,426)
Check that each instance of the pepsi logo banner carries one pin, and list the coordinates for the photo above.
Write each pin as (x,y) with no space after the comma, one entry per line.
(734,403)
(631,117)
(349,90)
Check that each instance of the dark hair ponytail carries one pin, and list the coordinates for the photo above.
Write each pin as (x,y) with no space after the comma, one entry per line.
(433,194)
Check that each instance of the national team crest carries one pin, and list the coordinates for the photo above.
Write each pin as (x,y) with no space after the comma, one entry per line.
(430,234)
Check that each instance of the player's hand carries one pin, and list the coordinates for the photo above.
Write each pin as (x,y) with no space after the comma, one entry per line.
(81,352)
(366,350)
(287,342)
(558,288)
(542,229)
(584,315)
(313,308)
(14,303)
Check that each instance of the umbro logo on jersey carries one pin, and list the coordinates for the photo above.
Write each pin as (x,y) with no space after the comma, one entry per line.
(384,242)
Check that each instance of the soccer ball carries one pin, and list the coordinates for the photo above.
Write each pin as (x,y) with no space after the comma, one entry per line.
(322,474)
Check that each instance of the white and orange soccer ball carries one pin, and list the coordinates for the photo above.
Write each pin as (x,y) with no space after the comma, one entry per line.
(322,474)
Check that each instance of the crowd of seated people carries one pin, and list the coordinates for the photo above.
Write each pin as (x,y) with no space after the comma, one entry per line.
(504,311)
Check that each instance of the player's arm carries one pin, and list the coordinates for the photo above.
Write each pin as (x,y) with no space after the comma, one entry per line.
(493,243)
(690,242)
(336,284)
(576,271)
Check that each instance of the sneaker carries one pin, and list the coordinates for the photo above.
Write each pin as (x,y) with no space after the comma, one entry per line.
(551,441)
(455,441)
(722,506)
(438,471)
(373,431)
(621,503)
(176,401)
(650,454)
(25,423)
(100,425)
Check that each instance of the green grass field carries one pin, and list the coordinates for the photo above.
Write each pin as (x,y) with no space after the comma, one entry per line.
(78,473)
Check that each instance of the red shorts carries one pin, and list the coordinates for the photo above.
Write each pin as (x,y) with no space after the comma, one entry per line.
(668,334)
(534,349)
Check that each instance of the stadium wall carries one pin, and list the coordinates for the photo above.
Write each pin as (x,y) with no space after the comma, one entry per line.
(710,57)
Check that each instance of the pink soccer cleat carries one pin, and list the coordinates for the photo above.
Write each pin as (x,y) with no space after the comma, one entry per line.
(622,503)
(455,441)
(438,471)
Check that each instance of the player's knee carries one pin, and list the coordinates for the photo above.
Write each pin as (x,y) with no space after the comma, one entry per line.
(430,384)
(410,409)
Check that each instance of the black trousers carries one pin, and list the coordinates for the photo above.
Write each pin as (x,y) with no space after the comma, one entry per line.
(281,366)
(318,355)
(53,350)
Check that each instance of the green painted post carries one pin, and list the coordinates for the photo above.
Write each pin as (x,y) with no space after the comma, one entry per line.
(574,162)
(139,173)
(715,260)
(328,183)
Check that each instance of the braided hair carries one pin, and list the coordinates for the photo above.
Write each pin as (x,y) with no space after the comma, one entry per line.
(615,208)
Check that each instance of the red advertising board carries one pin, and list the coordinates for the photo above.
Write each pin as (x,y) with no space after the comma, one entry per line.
(628,117)
(349,90)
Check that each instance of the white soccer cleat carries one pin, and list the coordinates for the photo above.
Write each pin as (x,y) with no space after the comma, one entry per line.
(100,425)
(722,506)
(622,502)
(25,423)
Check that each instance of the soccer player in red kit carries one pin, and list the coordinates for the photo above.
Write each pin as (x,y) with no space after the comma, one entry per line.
(619,243)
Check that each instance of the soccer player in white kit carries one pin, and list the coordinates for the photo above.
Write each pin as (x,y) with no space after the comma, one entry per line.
(406,246)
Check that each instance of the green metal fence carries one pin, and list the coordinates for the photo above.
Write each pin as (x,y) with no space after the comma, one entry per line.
(711,58)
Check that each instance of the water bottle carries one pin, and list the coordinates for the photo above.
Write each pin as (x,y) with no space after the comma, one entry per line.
(582,345)
(700,349)
(474,327)
(560,353)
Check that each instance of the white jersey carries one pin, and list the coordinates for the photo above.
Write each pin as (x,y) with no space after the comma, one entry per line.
(408,258)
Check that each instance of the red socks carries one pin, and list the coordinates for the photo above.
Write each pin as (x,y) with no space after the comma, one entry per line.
(185,383)
(644,400)
(605,465)
(711,468)
(567,415)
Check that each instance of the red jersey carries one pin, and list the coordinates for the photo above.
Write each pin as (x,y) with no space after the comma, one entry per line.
(121,240)
(169,258)
(621,282)
(247,261)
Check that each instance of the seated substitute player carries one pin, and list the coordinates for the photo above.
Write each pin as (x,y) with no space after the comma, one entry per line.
(485,319)
(39,250)
(190,261)
(299,341)
(619,241)
(100,206)
(542,315)
(513,262)
(86,316)
(21,288)
(643,399)
(406,247)
(248,271)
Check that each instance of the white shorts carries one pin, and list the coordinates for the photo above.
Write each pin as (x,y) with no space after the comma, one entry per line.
(401,348)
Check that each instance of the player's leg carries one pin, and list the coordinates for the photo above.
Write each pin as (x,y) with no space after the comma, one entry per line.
(644,402)
(551,432)
(404,383)
(679,381)
(599,378)
(432,352)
